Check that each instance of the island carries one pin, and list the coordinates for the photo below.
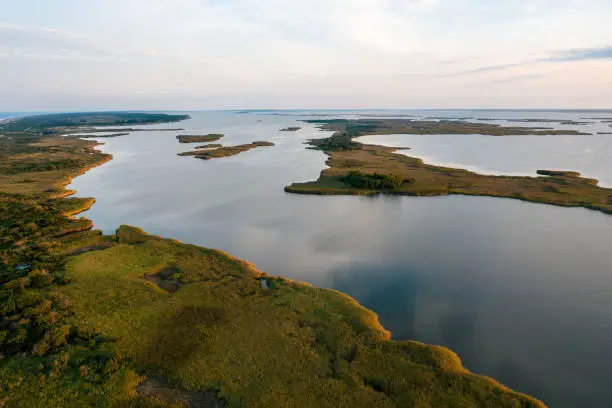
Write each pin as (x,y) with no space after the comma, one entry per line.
(136,320)
(360,169)
(290,129)
(214,153)
(364,127)
(212,137)
(209,146)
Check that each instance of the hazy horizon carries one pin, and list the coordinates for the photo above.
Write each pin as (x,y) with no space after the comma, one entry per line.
(365,54)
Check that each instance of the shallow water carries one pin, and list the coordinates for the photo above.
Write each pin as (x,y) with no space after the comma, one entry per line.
(520,291)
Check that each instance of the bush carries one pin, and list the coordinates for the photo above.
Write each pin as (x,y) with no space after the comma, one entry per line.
(374,181)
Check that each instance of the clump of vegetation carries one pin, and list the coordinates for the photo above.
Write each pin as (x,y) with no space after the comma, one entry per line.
(376,181)
(340,141)
(213,137)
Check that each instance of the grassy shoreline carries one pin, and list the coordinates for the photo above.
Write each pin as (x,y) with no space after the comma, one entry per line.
(100,332)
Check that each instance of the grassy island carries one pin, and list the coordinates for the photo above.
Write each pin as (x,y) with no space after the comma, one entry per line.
(365,127)
(349,161)
(212,137)
(290,129)
(134,320)
(209,146)
(215,153)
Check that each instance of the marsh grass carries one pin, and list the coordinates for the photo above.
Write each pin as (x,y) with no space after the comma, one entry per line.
(225,151)
(291,345)
(561,188)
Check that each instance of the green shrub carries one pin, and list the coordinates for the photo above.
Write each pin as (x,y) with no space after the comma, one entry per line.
(376,181)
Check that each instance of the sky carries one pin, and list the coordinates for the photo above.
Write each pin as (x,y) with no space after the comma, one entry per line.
(315,54)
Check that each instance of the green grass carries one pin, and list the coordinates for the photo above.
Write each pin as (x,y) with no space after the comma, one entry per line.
(292,345)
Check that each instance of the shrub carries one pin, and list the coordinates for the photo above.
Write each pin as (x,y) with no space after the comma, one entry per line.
(376,181)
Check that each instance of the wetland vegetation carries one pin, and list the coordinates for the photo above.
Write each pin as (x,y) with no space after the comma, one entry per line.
(209,146)
(212,137)
(134,320)
(365,127)
(347,157)
(218,152)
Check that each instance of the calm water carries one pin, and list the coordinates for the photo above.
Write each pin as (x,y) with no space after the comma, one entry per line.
(521,291)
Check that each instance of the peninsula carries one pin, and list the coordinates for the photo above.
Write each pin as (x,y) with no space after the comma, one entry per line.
(131,319)
(358,169)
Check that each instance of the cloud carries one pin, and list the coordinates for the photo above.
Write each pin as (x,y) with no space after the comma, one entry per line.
(42,43)
(458,60)
(18,41)
(518,78)
(486,69)
(581,54)
(564,56)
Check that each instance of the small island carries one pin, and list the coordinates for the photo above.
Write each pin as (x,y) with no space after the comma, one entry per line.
(359,169)
(209,146)
(219,152)
(212,137)
(290,129)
